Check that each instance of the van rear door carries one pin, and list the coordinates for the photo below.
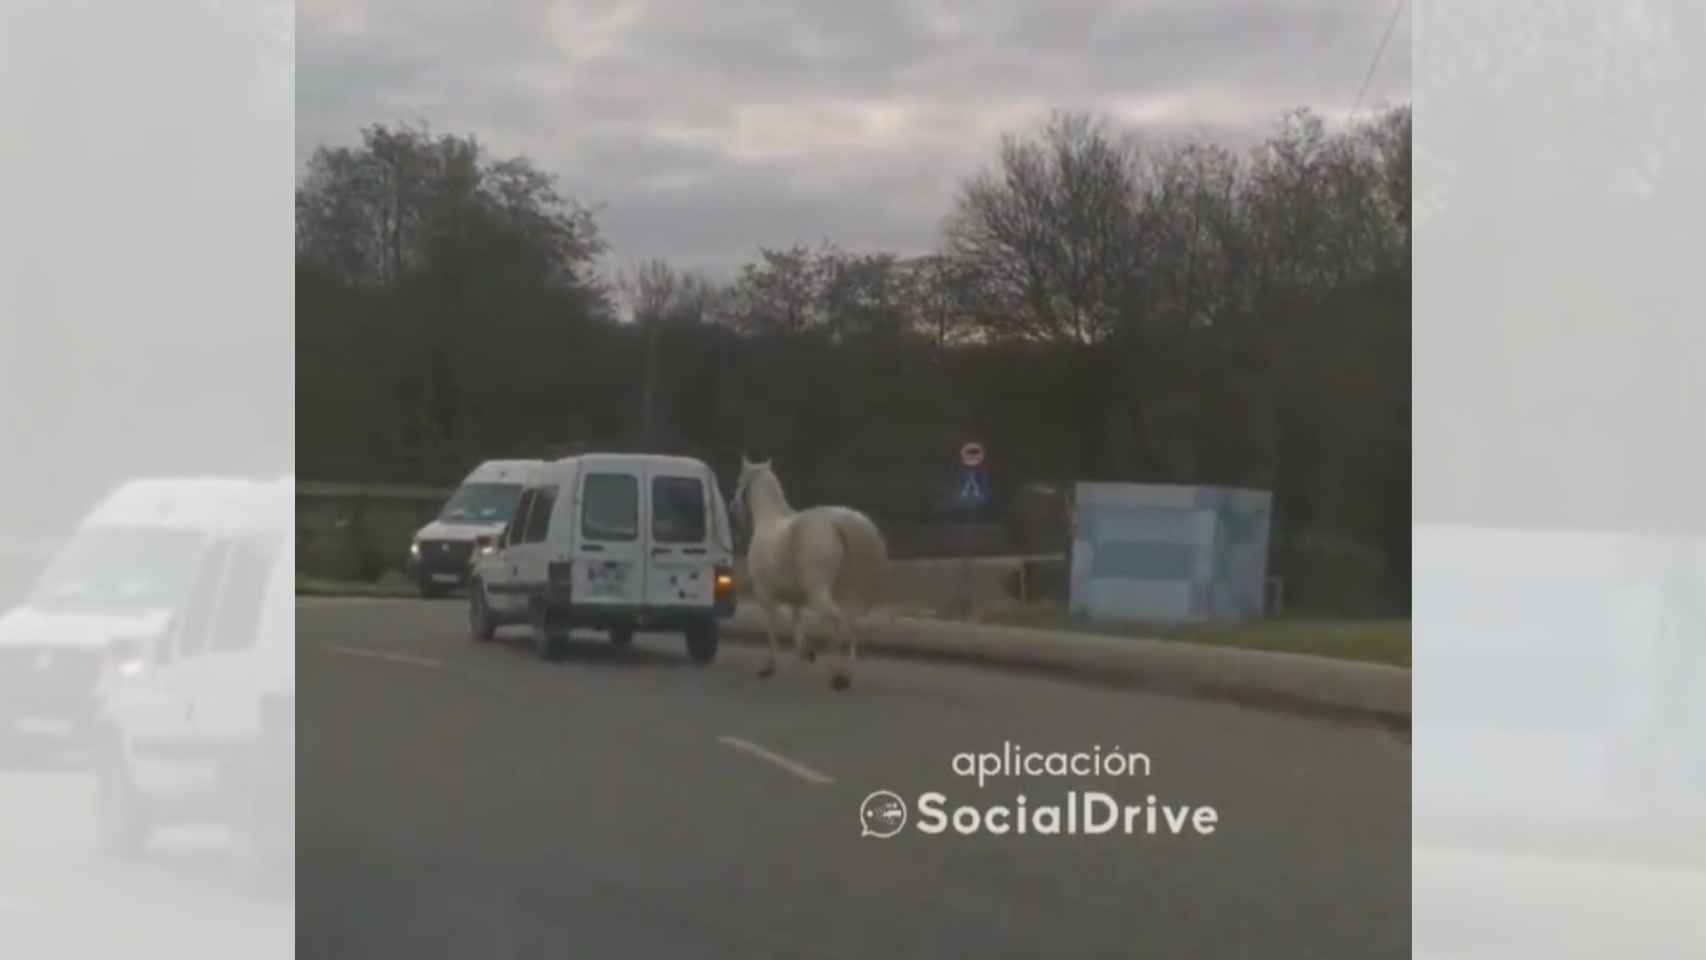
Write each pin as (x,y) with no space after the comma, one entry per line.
(681,558)
(609,555)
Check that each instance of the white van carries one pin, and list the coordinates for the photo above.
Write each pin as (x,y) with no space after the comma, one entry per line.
(443,551)
(196,722)
(619,542)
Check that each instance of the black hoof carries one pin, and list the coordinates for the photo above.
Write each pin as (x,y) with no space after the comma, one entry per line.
(766,671)
(811,656)
(840,682)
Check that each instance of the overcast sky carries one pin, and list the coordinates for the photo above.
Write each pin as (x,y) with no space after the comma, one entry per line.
(705,129)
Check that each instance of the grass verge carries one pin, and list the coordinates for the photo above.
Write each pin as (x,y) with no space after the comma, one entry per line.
(1370,641)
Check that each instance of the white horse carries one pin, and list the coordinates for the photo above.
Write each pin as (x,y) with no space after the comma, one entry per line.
(829,560)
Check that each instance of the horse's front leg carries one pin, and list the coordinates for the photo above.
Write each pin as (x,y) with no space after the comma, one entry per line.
(770,631)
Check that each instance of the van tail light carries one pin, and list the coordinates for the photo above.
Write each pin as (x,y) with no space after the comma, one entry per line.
(725,589)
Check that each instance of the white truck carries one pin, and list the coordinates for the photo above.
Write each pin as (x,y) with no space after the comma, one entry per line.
(443,552)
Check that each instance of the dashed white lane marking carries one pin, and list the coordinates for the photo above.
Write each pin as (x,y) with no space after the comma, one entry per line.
(797,769)
(393,657)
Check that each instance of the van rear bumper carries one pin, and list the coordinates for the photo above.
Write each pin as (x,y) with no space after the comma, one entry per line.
(594,616)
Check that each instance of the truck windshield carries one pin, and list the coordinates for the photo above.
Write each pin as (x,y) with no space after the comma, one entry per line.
(121,569)
(482,503)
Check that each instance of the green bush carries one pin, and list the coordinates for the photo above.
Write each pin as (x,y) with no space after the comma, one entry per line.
(1329,575)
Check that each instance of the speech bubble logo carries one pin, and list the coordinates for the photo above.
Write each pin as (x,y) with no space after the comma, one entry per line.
(882,815)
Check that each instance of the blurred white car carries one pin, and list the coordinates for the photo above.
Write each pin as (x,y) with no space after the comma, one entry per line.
(196,716)
(1557,771)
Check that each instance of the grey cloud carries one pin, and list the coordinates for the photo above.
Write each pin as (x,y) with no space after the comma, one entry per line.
(638,106)
(717,230)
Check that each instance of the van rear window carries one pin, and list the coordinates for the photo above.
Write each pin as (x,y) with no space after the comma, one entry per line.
(678,510)
(610,507)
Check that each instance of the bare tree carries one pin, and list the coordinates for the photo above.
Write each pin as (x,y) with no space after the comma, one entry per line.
(657,296)
(1050,237)
(943,299)
(781,293)
(865,294)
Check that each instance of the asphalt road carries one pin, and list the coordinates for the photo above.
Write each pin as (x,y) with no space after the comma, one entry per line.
(60,898)
(466,800)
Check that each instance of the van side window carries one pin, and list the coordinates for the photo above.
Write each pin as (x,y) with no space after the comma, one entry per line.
(198,621)
(610,507)
(678,510)
(237,624)
(518,523)
(539,520)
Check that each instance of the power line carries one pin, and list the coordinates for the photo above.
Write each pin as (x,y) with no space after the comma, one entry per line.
(1379,51)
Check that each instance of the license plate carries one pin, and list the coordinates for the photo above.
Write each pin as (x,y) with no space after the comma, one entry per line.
(446,578)
(606,590)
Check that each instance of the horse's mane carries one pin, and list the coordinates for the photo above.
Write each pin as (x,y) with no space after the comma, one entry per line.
(768,476)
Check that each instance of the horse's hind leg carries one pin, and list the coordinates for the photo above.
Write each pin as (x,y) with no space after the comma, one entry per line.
(770,631)
(804,647)
(842,677)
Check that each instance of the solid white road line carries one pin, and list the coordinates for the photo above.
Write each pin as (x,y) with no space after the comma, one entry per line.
(797,769)
(381,655)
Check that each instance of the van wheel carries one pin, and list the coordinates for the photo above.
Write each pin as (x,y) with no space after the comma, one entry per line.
(622,636)
(702,642)
(480,622)
(120,814)
(263,820)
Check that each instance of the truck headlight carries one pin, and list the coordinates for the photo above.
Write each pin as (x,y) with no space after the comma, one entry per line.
(129,655)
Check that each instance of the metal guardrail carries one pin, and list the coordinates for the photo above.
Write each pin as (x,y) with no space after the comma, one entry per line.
(371,491)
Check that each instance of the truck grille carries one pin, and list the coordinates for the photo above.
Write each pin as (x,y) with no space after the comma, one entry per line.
(40,673)
(446,552)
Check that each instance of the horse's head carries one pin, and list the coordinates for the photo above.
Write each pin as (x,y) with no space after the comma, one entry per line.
(740,504)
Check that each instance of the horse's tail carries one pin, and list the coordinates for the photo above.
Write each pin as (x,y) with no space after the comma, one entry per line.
(865,560)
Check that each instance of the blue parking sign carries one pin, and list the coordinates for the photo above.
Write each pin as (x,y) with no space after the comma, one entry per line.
(971,491)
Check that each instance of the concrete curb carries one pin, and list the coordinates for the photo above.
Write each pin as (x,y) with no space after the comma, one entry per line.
(1322,686)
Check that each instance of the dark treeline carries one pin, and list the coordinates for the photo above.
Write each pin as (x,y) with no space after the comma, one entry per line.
(1100,307)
